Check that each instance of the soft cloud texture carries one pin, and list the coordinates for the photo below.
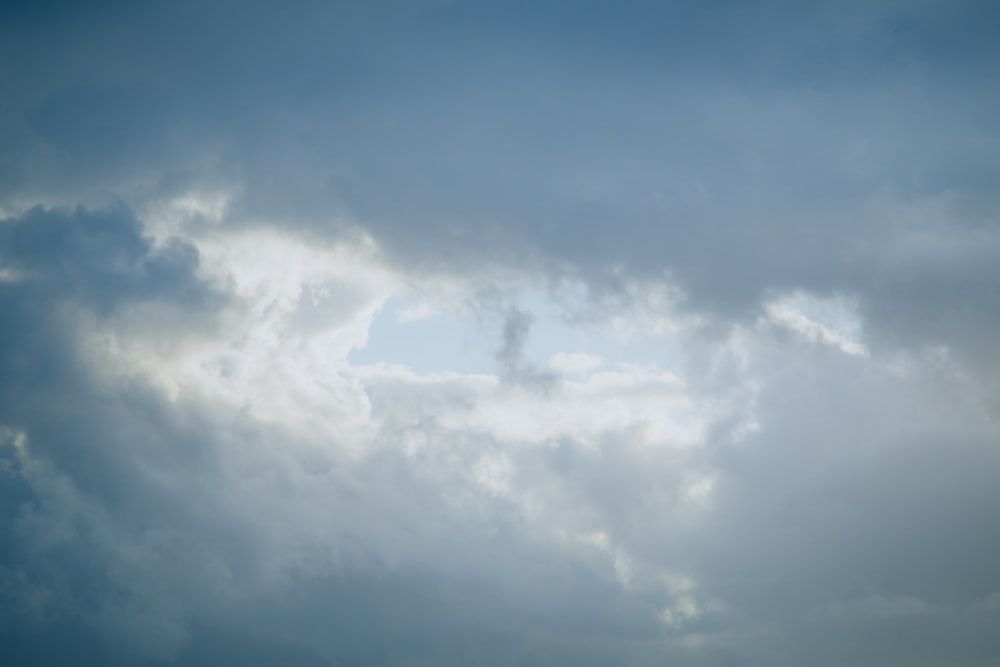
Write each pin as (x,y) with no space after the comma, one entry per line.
(717,285)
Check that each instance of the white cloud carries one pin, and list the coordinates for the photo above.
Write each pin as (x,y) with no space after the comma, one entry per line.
(833,321)
(577,363)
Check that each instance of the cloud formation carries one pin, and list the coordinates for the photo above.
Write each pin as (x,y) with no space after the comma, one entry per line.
(725,276)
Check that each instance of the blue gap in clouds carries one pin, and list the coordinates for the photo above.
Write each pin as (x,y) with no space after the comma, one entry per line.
(432,344)
(448,343)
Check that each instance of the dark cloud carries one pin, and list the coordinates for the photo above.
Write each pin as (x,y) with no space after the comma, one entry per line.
(99,258)
(75,445)
(510,356)
(742,148)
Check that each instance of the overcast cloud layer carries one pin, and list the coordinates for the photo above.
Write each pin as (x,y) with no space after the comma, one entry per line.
(500,333)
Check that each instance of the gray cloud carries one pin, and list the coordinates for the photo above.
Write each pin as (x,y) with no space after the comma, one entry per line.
(741,149)
(510,356)
(190,474)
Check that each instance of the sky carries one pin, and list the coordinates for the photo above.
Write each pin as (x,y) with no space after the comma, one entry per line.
(467,332)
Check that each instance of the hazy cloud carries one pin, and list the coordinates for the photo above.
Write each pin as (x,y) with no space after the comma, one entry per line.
(732,268)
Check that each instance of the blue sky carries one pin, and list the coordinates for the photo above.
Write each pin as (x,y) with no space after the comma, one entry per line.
(448,332)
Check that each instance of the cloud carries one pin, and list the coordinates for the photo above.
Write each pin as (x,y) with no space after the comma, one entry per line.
(735,266)
(510,356)
(247,481)
(877,607)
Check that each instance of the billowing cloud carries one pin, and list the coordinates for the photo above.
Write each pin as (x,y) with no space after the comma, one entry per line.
(447,333)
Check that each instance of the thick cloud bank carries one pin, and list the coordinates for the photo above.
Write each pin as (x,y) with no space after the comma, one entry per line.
(449,333)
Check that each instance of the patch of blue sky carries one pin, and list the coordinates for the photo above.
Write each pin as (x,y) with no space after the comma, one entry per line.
(448,342)
(436,343)
(555,331)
